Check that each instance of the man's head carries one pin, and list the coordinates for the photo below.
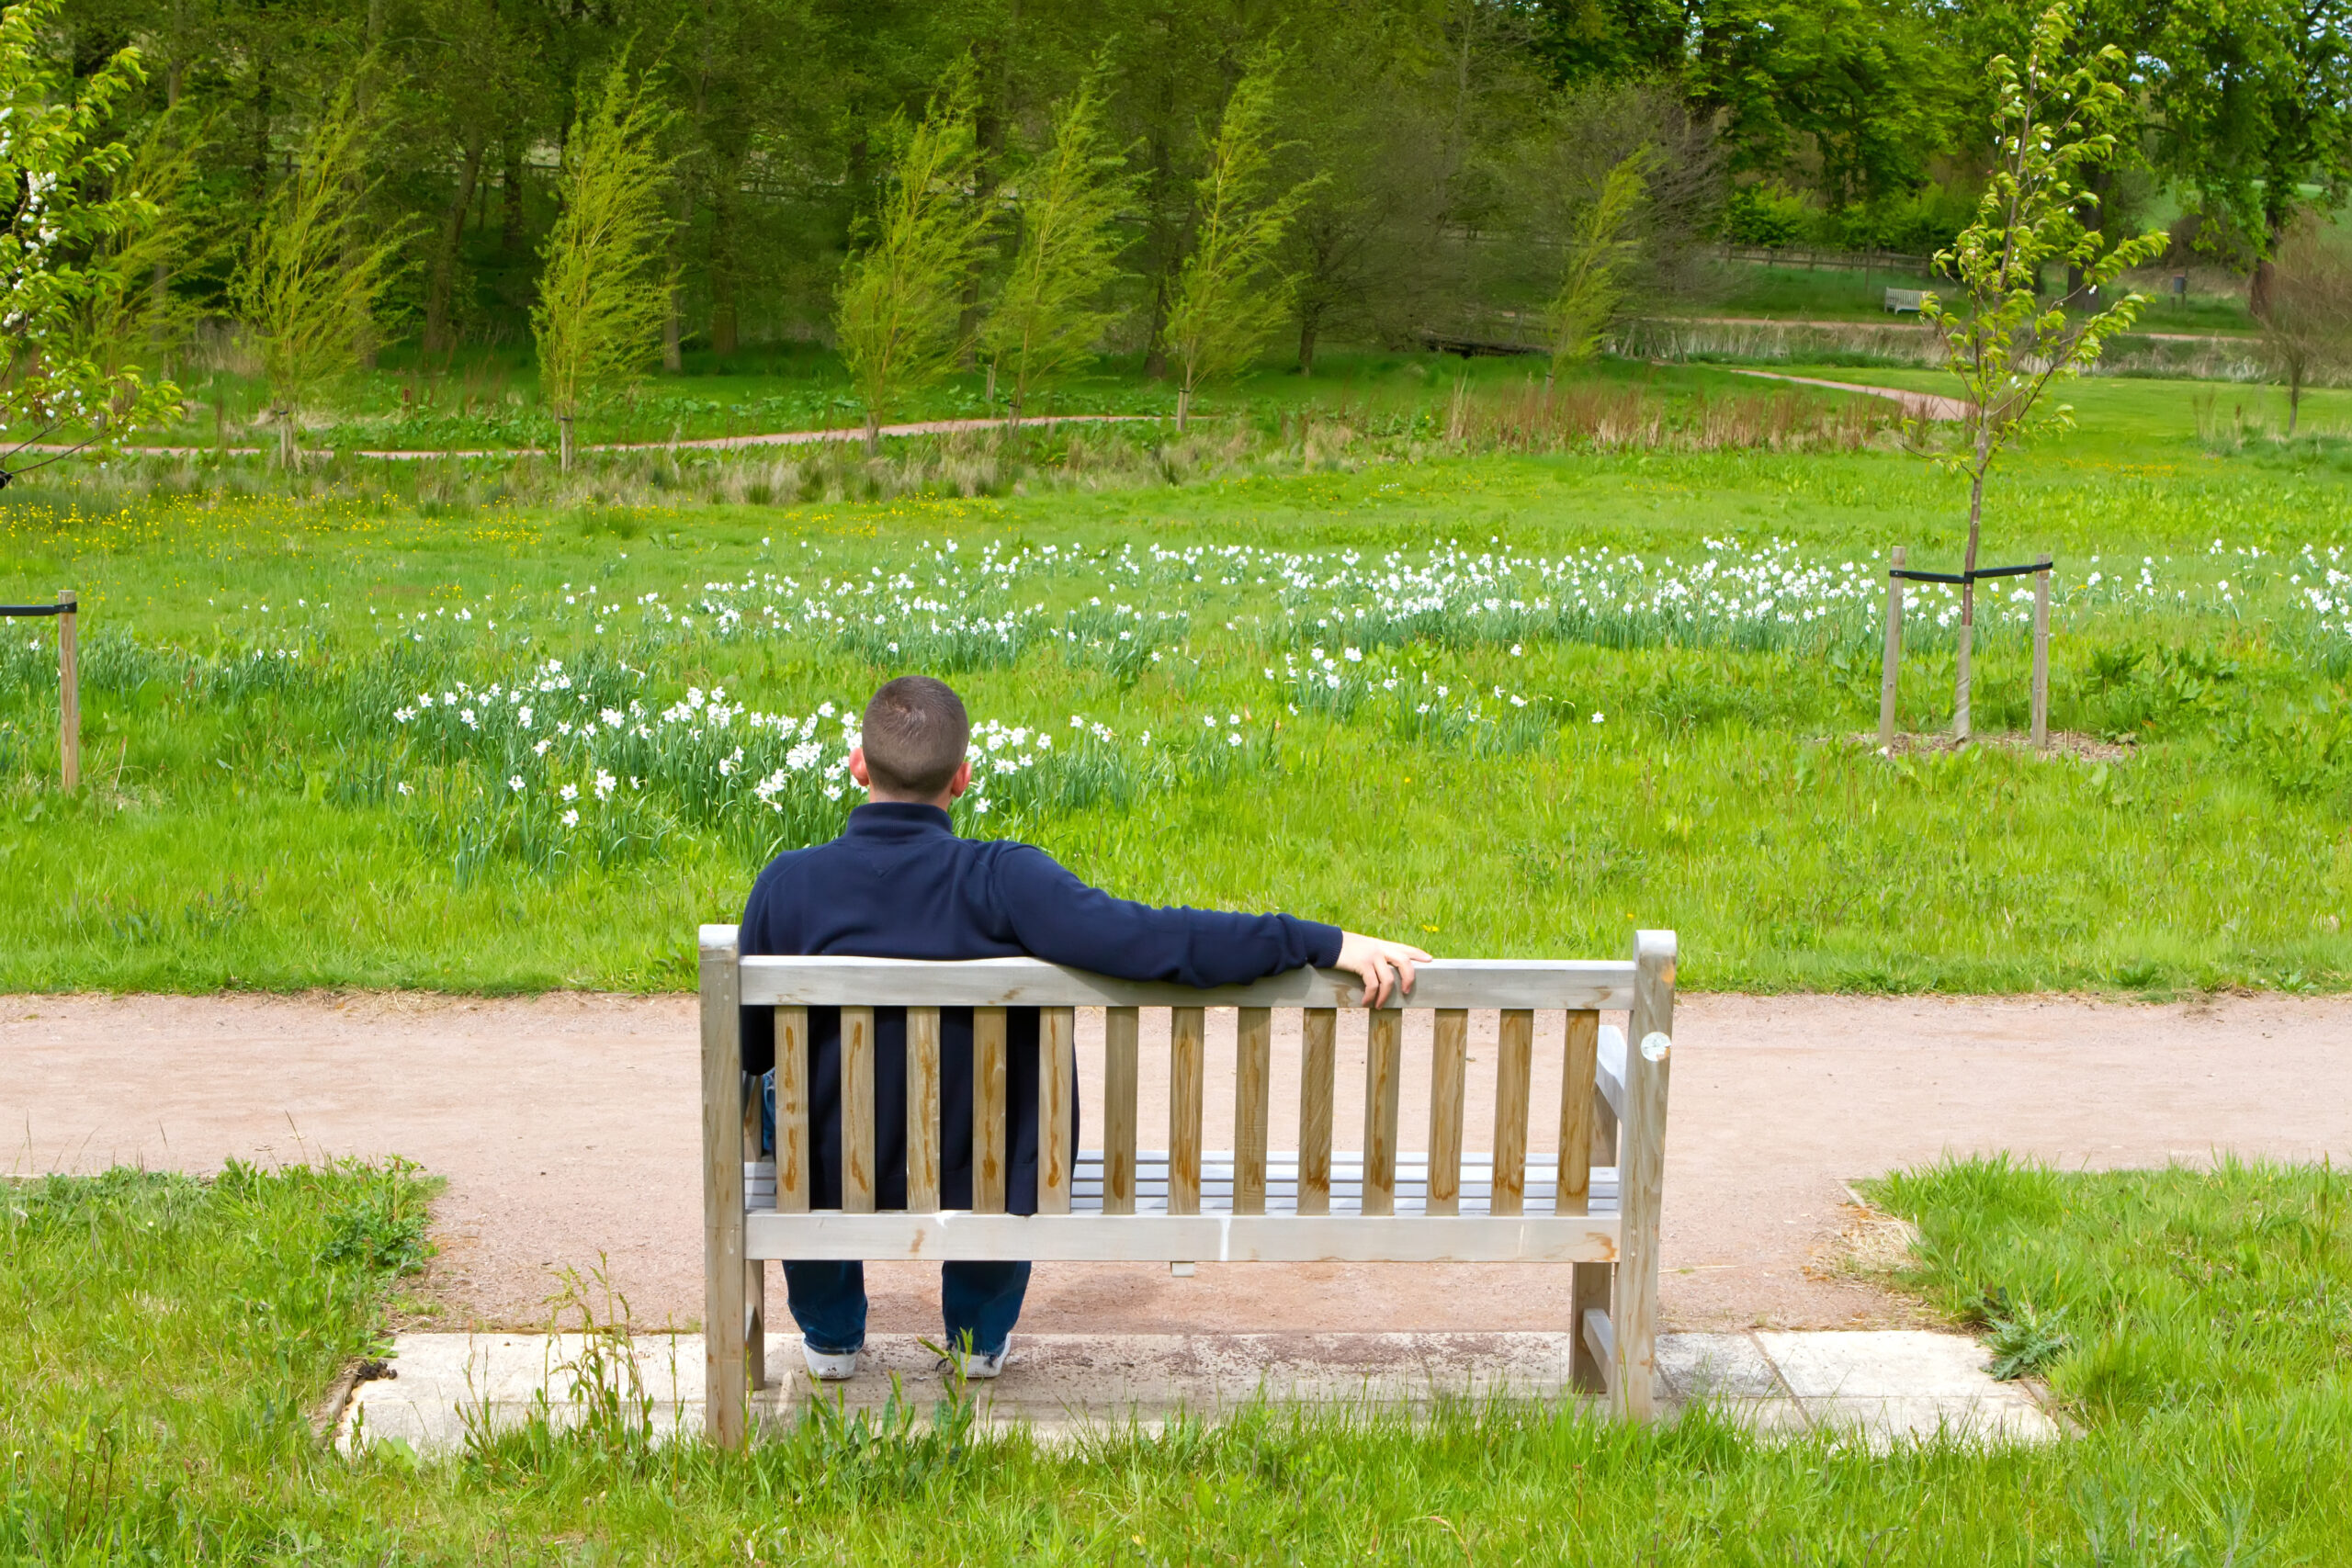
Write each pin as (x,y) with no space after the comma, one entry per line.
(916,734)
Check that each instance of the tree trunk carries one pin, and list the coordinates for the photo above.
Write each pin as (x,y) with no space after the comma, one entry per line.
(510,195)
(723,322)
(1183,408)
(563,442)
(364,337)
(1959,714)
(872,434)
(2258,291)
(2295,397)
(1154,354)
(437,336)
(672,330)
(1306,343)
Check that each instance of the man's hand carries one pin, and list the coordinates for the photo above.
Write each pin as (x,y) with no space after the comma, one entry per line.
(1382,966)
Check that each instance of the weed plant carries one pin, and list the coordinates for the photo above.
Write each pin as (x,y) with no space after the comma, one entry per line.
(163,1341)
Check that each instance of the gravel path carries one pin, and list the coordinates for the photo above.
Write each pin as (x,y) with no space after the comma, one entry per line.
(566,1126)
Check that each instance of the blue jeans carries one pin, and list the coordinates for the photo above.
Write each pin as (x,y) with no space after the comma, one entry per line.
(978,1301)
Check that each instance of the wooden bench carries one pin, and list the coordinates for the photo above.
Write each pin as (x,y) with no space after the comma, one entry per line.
(1900,302)
(1593,1206)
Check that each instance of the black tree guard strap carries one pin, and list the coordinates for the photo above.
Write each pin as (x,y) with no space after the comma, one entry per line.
(1981,574)
(7,610)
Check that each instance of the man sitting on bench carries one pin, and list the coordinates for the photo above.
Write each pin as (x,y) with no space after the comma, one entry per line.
(900,883)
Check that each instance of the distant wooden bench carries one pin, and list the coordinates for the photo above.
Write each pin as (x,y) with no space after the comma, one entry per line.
(1899,301)
(1594,1206)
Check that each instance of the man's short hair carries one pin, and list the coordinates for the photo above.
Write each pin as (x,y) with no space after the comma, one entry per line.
(916,734)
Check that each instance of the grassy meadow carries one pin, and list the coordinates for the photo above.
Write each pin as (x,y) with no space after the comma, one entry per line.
(163,1339)
(1409,657)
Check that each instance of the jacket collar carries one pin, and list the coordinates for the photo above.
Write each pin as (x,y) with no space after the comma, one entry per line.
(896,821)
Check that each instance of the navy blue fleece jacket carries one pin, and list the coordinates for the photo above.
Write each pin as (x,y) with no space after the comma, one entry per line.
(900,883)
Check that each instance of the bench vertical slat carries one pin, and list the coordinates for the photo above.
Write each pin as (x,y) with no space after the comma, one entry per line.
(923,1111)
(755,1270)
(1449,1070)
(1588,1133)
(987,1110)
(1318,1087)
(1187,1070)
(1253,1083)
(1384,1065)
(725,1368)
(1056,1089)
(792,1110)
(1641,1171)
(1514,1067)
(1122,1031)
(857,1110)
(1580,1106)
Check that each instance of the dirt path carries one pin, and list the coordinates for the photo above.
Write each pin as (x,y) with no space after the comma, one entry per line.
(703,443)
(566,1126)
(1918,405)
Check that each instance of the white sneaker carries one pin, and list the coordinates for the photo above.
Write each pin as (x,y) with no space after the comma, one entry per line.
(974,1367)
(829,1366)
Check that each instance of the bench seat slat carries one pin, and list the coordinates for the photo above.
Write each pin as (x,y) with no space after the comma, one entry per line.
(1155,1238)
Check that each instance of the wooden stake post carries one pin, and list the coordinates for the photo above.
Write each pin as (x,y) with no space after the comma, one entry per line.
(69,692)
(2041,657)
(1893,669)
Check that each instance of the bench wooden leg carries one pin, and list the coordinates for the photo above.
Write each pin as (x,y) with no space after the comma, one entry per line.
(725,1372)
(1641,1175)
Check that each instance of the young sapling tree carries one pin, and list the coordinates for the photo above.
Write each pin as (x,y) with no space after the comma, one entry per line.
(899,313)
(604,288)
(1050,312)
(1601,244)
(63,247)
(2007,345)
(2307,313)
(1229,296)
(318,264)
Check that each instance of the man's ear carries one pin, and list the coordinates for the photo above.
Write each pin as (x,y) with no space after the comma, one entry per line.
(956,785)
(857,767)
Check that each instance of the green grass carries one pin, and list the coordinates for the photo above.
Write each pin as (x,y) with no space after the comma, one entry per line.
(163,1340)
(258,816)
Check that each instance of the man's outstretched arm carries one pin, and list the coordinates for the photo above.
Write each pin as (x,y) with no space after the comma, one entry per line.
(1058,917)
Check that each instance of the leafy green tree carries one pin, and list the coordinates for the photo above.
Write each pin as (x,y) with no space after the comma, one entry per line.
(1052,307)
(62,258)
(1601,246)
(2252,101)
(1230,297)
(1853,94)
(604,288)
(2051,119)
(318,265)
(902,294)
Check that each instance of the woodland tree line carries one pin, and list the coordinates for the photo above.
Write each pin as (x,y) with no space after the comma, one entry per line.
(1429,162)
